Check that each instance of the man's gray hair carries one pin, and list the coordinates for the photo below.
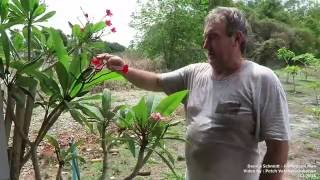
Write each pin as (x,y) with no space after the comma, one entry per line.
(233,19)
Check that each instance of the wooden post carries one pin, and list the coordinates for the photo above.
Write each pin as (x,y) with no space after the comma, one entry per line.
(4,165)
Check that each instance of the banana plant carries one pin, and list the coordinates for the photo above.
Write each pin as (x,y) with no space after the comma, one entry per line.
(145,127)
(28,74)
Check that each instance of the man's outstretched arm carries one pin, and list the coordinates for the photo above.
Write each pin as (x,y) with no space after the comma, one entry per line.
(140,78)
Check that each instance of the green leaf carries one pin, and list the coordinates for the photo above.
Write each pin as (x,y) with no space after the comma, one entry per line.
(60,50)
(63,76)
(1,68)
(26,4)
(98,26)
(40,10)
(18,40)
(79,63)
(29,67)
(106,102)
(4,7)
(18,4)
(91,111)
(6,47)
(25,81)
(100,77)
(53,141)
(47,84)
(171,158)
(77,116)
(131,145)
(46,16)
(89,98)
(125,118)
(170,103)
(140,112)
(171,167)
(18,12)
(76,30)
(152,103)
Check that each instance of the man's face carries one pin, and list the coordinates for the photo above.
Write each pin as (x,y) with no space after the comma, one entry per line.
(218,44)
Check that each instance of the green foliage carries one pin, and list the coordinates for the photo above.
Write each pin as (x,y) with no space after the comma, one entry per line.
(172,30)
(286,55)
(145,125)
(293,71)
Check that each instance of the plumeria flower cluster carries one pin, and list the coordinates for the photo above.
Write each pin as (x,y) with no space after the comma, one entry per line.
(108,21)
(107,16)
(156,116)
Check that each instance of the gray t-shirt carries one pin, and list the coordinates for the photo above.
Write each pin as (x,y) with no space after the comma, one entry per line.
(227,118)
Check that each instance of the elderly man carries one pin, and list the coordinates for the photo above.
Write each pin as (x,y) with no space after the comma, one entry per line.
(233,104)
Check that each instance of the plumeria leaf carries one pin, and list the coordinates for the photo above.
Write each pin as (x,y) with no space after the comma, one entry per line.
(91,111)
(46,16)
(40,10)
(77,116)
(170,103)
(1,69)
(89,98)
(63,76)
(25,81)
(98,26)
(171,167)
(140,112)
(100,77)
(76,30)
(131,145)
(171,158)
(53,141)
(6,46)
(4,7)
(26,5)
(106,102)
(58,47)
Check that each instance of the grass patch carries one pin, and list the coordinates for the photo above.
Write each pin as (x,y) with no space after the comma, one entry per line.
(315,133)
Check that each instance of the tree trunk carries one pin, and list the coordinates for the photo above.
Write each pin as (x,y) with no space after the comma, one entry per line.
(8,116)
(17,139)
(4,163)
(105,152)
(28,116)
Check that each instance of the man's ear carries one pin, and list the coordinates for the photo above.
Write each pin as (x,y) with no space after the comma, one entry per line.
(238,37)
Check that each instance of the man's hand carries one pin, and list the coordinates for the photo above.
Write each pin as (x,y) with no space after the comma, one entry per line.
(113,62)
(275,158)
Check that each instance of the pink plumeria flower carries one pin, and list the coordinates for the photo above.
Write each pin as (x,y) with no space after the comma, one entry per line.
(156,116)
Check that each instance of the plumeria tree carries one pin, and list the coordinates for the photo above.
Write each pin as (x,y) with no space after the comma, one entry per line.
(308,60)
(145,128)
(293,71)
(37,70)
(286,55)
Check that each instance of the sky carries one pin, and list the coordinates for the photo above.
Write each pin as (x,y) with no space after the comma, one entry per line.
(69,10)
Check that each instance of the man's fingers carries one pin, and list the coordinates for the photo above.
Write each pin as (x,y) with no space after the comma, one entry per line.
(104,56)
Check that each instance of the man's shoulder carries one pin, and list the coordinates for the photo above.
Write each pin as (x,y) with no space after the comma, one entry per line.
(260,71)
(263,74)
(199,67)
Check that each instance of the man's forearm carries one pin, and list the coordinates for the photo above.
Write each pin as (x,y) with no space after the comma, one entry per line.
(274,160)
(271,168)
(144,79)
